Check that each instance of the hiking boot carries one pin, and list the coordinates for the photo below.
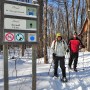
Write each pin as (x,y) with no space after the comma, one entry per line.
(75,70)
(56,75)
(69,67)
(64,79)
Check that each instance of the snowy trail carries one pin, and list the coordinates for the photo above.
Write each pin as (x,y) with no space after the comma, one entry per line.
(78,80)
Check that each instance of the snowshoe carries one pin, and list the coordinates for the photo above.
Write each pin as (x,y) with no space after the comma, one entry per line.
(55,76)
(75,70)
(64,79)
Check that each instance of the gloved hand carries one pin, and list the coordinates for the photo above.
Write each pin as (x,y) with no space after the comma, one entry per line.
(83,46)
(67,50)
(54,54)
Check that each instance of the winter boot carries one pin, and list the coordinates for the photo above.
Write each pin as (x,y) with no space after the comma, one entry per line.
(64,79)
(75,69)
(55,76)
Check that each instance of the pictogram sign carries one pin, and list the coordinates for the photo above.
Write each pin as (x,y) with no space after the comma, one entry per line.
(20,37)
(9,36)
(32,37)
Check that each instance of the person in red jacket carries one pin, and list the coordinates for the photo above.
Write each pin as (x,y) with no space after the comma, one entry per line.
(74,44)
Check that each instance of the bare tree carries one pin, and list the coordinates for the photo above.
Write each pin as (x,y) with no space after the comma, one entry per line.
(40,31)
(50,13)
(77,11)
(45,33)
(73,17)
(66,8)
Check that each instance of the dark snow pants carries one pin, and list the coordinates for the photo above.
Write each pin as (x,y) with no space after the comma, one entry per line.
(73,59)
(62,65)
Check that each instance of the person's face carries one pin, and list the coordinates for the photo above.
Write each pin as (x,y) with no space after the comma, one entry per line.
(59,38)
(74,35)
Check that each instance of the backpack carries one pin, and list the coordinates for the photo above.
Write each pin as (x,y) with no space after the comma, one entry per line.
(55,42)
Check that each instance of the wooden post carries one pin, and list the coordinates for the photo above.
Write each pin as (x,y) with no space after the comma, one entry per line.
(5,54)
(88,32)
(33,67)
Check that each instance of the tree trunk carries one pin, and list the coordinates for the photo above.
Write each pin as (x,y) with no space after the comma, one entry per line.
(77,10)
(88,32)
(45,33)
(73,17)
(66,8)
(40,31)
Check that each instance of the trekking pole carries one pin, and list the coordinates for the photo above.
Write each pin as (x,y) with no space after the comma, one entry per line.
(83,59)
(68,67)
(69,74)
(50,67)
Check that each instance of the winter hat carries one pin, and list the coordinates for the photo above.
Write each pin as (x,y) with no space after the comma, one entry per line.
(58,35)
(74,33)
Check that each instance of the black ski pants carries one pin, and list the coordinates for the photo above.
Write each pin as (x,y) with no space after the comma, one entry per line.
(62,65)
(73,59)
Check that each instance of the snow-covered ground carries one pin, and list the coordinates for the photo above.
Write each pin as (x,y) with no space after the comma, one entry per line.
(20,73)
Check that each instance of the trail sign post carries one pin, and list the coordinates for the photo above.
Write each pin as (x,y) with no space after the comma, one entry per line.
(18,25)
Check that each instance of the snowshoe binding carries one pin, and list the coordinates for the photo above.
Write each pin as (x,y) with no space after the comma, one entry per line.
(64,79)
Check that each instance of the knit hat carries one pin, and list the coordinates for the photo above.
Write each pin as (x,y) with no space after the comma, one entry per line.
(58,35)
(74,33)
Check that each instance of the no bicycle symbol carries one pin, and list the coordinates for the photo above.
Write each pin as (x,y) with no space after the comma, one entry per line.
(20,37)
(9,37)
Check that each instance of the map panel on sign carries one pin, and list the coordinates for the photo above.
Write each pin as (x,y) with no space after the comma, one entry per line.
(31,11)
(19,37)
(9,37)
(32,37)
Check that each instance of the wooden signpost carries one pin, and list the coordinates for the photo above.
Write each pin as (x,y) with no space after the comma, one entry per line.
(18,25)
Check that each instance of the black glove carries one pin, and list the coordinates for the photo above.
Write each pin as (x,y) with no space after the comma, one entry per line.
(67,50)
(83,46)
(54,54)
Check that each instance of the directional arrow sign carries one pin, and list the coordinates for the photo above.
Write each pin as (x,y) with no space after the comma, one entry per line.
(19,37)
(32,37)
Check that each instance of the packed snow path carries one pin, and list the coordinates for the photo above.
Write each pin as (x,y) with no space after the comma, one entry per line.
(23,81)
(76,81)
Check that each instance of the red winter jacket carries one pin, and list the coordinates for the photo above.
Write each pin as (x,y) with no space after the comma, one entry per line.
(74,45)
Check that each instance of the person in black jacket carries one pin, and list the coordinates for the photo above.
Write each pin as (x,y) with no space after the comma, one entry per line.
(74,44)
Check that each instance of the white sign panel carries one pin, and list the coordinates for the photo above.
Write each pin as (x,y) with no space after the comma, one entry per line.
(18,24)
(11,9)
(18,10)
(32,37)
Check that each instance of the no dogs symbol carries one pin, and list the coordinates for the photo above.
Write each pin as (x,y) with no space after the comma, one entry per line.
(9,37)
